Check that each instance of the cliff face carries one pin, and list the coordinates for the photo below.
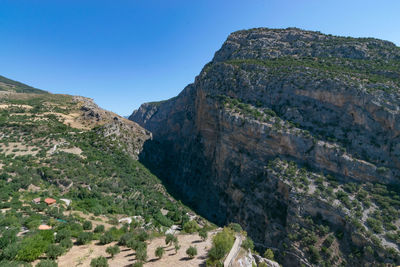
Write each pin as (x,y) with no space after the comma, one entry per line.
(273,101)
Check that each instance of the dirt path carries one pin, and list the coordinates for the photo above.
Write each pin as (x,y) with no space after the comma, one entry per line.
(234,251)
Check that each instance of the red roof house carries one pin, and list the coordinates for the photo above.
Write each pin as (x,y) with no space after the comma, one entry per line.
(50,201)
(44,227)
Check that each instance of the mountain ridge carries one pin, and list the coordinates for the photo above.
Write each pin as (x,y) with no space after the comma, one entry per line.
(277,129)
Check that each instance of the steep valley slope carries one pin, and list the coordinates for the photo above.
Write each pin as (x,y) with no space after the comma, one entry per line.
(294,135)
(68,174)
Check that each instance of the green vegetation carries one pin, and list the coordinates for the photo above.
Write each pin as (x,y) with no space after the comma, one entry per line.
(113,250)
(222,244)
(99,262)
(269,254)
(10,85)
(374,72)
(103,180)
(159,252)
(191,252)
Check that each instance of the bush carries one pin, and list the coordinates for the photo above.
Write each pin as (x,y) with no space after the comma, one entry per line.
(169,239)
(47,263)
(66,243)
(235,227)
(248,244)
(87,225)
(113,250)
(203,234)
(31,248)
(123,240)
(222,243)
(159,252)
(84,238)
(99,262)
(190,227)
(54,251)
(137,264)
(63,234)
(269,254)
(315,256)
(191,252)
(106,238)
(99,229)
(141,253)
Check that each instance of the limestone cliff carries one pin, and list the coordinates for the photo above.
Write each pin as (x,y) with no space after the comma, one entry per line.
(283,131)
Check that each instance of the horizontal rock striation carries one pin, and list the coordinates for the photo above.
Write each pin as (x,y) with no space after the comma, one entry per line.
(327,103)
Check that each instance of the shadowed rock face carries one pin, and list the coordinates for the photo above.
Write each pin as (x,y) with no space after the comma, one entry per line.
(321,101)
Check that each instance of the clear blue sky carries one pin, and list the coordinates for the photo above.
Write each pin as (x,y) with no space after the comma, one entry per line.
(126,52)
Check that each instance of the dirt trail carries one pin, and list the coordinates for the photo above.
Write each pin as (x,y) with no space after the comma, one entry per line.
(234,251)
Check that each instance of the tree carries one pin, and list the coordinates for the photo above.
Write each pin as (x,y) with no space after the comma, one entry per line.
(64,233)
(106,238)
(235,227)
(159,252)
(269,254)
(169,239)
(87,225)
(99,229)
(190,227)
(47,263)
(141,254)
(54,251)
(191,252)
(222,244)
(113,250)
(66,243)
(138,264)
(248,244)
(84,238)
(203,234)
(99,262)
(176,245)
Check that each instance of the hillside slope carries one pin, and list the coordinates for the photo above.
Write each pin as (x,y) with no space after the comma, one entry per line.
(295,135)
(65,165)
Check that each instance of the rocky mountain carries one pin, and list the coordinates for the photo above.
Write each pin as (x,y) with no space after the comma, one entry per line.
(294,135)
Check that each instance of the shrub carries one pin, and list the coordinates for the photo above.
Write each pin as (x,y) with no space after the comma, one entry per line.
(269,254)
(47,263)
(123,240)
(235,227)
(222,243)
(99,262)
(248,244)
(203,234)
(137,264)
(31,248)
(191,252)
(63,234)
(141,254)
(84,238)
(54,251)
(315,256)
(106,238)
(99,229)
(159,252)
(113,250)
(66,243)
(87,225)
(169,239)
(190,227)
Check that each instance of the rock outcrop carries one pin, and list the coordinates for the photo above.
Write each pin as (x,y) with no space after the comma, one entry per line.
(326,103)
